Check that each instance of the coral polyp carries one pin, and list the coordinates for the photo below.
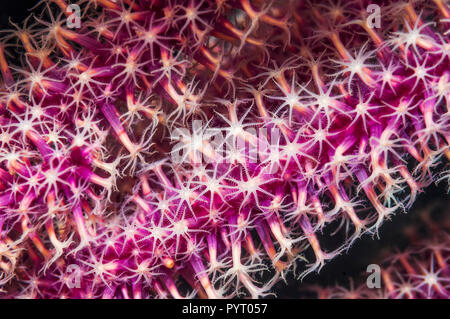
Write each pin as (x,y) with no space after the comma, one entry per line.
(201,148)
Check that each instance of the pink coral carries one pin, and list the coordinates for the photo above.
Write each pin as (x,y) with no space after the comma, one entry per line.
(287,120)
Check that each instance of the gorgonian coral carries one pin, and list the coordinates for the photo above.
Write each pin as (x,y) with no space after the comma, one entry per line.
(157,146)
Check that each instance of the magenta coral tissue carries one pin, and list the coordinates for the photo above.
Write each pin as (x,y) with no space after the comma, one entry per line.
(206,149)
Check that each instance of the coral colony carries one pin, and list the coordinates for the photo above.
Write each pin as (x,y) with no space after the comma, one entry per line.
(201,148)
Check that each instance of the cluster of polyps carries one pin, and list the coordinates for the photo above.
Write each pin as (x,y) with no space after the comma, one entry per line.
(86,179)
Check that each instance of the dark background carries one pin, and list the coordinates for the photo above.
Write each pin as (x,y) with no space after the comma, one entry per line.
(18,10)
(363,252)
(394,235)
